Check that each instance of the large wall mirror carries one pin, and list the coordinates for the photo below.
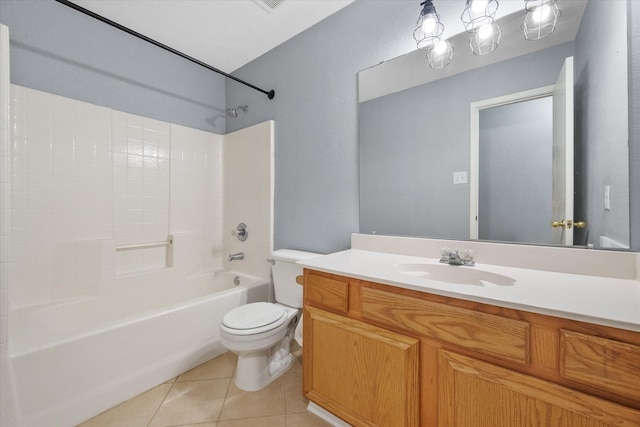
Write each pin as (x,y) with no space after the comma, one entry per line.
(415,132)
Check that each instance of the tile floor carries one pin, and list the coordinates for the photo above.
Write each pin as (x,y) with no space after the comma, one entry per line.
(207,397)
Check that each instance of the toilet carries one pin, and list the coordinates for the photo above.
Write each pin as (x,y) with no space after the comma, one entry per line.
(260,333)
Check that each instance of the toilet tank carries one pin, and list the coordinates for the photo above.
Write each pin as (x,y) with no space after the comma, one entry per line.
(284,272)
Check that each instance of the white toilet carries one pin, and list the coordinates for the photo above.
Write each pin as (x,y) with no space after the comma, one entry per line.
(260,333)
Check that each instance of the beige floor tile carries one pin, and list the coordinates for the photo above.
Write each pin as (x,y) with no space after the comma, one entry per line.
(191,403)
(272,421)
(135,412)
(222,366)
(200,425)
(295,401)
(305,419)
(242,404)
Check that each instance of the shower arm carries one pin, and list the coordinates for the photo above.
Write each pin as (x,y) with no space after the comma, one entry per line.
(270,94)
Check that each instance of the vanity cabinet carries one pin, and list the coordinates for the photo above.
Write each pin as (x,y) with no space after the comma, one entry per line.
(365,374)
(377,355)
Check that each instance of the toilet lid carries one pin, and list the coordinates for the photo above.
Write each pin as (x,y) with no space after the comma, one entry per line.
(255,315)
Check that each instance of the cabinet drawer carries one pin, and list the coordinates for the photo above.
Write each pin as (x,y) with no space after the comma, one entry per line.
(607,364)
(327,292)
(485,333)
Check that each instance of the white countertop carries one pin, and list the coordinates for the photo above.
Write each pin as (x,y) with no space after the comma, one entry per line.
(600,300)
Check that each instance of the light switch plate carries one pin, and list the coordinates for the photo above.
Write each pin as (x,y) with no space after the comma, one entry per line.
(460,177)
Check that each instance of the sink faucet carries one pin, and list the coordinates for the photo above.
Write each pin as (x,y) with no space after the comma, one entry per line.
(238,256)
(457,257)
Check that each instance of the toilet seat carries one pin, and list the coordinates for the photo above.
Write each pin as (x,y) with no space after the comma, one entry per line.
(254,318)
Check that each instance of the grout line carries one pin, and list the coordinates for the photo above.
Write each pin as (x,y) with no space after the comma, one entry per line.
(224,401)
(162,401)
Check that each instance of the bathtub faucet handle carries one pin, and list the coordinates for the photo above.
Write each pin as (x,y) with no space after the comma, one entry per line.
(241,232)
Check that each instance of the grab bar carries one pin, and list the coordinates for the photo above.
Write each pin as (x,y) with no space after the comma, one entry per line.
(167,242)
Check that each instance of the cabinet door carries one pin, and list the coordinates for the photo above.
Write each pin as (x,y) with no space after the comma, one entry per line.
(473,393)
(366,375)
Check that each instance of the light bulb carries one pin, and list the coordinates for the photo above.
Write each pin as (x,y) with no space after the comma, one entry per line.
(485,32)
(478,6)
(440,47)
(541,13)
(429,24)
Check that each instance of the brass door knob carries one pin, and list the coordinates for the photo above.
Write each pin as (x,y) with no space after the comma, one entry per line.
(568,224)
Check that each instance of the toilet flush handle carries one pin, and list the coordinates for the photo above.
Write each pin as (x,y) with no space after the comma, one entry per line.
(271,261)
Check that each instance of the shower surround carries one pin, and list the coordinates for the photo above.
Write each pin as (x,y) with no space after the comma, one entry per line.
(87,180)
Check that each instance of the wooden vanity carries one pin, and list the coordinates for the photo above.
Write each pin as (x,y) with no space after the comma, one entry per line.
(379,355)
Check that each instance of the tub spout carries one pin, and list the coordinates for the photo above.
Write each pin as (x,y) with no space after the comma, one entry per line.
(238,256)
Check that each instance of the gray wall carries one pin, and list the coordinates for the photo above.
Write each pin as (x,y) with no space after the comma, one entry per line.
(59,50)
(412,142)
(601,128)
(315,111)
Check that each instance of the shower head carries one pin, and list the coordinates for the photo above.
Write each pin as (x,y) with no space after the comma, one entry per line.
(233,112)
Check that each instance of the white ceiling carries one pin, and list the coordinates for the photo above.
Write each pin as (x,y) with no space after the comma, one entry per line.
(225,34)
(228,34)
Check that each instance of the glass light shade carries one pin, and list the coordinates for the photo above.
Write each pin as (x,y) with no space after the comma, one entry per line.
(541,18)
(485,40)
(440,55)
(429,29)
(478,13)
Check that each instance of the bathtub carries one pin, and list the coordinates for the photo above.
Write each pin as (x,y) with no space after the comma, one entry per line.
(74,359)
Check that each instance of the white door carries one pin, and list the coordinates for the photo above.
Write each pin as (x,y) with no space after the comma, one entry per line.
(562,232)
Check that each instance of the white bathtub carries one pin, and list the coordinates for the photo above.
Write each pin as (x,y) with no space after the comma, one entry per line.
(75,359)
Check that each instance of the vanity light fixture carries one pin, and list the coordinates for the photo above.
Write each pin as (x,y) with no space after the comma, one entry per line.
(541,18)
(440,55)
(429,29)
(485,40)
(478,13)
(478,18)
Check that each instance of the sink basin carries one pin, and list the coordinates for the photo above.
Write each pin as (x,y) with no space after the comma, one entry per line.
(460,275)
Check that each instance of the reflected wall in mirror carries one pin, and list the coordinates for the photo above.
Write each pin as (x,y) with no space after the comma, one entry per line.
(413,140)
(514,172)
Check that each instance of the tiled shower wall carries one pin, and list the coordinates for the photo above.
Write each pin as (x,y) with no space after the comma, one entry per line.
(61,198)
(87,179)
(196,198)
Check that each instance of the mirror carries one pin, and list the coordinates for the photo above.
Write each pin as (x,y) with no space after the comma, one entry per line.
(414,125)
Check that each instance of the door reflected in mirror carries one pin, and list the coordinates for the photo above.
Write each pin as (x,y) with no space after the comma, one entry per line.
(514,172)
(522,165)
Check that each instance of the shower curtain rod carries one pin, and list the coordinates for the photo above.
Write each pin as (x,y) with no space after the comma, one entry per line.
(270,94)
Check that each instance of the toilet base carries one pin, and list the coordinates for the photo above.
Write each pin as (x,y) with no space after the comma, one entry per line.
(255,371)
